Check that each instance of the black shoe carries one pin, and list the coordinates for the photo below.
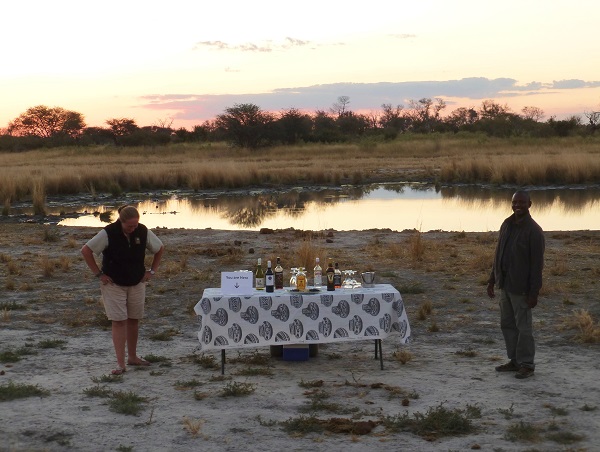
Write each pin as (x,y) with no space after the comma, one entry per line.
(508,367)
(524,372)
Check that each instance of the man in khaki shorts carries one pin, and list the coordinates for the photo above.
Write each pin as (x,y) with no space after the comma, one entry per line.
(123,278)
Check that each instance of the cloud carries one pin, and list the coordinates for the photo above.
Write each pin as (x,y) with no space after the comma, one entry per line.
(573,84)
(363,96)
(403,36)
(267,46)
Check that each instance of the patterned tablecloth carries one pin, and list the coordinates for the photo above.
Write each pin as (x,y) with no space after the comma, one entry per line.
(287,317)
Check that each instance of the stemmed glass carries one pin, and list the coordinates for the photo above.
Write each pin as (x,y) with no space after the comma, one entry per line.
(293,278)
(349,281)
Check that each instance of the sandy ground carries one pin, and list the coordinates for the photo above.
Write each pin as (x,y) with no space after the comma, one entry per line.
(47,294)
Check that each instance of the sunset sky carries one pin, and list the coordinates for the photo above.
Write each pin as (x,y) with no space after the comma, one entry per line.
(187,61)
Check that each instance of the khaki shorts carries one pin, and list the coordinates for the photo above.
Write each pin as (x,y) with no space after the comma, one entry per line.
(124,302)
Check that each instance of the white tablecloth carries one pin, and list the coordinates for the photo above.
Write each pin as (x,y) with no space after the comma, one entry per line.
(286,317)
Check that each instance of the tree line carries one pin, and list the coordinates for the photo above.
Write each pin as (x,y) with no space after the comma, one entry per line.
(249,126)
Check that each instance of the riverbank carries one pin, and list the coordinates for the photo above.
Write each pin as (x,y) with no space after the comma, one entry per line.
(439,158)
(53,322)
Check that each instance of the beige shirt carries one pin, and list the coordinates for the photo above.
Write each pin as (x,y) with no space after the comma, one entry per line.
(99,242)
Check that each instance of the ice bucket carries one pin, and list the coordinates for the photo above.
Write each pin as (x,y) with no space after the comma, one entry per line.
(368,279)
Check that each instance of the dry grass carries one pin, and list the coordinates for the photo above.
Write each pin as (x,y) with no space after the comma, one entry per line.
(38,196)
(425,310)
(417,246)
(403,356)
(448,158)
(47,265)
(193,426)
(305,254)
(562,168)
(588,329)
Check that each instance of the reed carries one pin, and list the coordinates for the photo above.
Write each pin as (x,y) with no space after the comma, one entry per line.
(417,246)
(39,197)
(450,158)
(547,169)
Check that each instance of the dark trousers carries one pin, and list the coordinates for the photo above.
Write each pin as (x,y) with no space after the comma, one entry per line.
(517,328)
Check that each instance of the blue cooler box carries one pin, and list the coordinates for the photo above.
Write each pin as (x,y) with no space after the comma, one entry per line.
(297,352)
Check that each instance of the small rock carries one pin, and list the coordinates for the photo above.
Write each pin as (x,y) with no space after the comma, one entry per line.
(251,251)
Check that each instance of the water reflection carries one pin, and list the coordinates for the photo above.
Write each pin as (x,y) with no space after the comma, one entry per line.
(393,206)
(568,200)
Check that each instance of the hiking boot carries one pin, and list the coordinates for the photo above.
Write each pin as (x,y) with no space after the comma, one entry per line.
(524,372)
(508,367)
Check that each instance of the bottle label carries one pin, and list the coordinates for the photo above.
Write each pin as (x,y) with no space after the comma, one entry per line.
(279,280)
(270,280)
(318,279)
(330,285)
(260,283)
(301,282)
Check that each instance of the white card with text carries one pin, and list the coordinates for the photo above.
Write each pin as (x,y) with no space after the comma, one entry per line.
(237,282)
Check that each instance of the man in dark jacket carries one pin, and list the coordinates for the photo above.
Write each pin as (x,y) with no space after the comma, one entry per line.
(517,271)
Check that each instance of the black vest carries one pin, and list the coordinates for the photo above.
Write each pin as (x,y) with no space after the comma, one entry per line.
(123,260)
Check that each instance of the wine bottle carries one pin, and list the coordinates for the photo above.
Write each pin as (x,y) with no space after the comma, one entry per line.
(269,278)
(318,275)
(278,275)
(330,274)
(337,276)
(259,276)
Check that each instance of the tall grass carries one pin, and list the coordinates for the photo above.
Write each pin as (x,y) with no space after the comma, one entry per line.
(39,197)
(108,169)
(547,169)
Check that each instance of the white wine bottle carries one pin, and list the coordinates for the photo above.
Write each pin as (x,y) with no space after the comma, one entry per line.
(259,276)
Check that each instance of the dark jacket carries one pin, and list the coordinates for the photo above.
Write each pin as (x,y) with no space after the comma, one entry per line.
(123,260)
(525,257)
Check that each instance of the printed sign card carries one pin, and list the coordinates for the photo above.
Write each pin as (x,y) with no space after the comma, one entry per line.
(237,282)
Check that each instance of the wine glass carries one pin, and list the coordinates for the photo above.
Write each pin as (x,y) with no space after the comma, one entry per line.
(348,279)
(293,278)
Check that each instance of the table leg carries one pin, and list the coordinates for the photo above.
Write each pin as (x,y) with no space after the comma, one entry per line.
(223,362)
(378,344)
(376,349)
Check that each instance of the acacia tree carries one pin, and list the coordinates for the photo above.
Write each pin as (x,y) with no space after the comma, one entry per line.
(340,107)
(46,122)
(493,110)
(245,125)
(425,113)
(293,126)
(593,118)
(121,128)
(393,120)
(533,113)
